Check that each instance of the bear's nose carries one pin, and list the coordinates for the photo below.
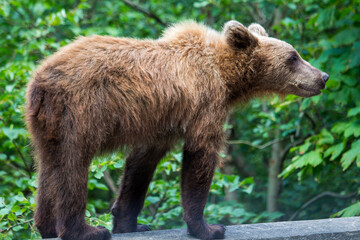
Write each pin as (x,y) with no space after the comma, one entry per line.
(324,77)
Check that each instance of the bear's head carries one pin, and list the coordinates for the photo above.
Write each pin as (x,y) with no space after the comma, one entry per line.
(277,66)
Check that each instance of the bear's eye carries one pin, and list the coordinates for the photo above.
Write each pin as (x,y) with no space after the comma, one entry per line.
(293,58)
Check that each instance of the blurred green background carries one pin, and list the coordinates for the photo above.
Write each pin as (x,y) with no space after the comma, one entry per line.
(285,159)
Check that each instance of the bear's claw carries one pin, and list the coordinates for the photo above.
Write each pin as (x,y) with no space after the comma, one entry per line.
(143,228)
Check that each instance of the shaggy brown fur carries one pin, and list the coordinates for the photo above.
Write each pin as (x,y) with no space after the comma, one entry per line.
(100,93)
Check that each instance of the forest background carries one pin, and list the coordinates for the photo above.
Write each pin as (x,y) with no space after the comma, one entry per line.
(286,159)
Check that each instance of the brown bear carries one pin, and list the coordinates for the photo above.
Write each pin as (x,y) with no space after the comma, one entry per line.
(100,93)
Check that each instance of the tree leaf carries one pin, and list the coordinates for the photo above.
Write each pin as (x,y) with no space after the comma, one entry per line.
(355,55)
(347,36)
(305,104)
(152,199)
(303,148)
(353,111)
(353,210)
(325,137)
(339,127)
(314,158)
(349,156)
(13,133)
(335,151)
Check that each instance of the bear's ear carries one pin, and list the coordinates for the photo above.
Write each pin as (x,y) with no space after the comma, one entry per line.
(238,36)
(257,29)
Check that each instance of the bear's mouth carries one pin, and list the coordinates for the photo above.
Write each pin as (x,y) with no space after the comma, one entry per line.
(309,89)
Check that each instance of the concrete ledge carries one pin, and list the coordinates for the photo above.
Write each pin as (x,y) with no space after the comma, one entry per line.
(325,229)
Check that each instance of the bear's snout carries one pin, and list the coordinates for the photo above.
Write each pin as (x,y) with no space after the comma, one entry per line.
(324,77)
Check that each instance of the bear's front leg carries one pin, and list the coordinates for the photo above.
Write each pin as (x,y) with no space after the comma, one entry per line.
(197,173)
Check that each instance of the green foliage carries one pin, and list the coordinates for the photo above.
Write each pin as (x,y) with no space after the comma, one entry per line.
(322,132)
(353,210)
(337,142)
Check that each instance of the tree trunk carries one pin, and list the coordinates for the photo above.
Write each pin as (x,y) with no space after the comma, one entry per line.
(227,166)
(274,171)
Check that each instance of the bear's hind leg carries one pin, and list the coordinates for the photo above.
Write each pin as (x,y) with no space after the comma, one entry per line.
(44,217)
(139,169)
(71,195)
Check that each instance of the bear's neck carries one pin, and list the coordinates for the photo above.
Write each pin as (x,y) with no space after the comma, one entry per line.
(239,73)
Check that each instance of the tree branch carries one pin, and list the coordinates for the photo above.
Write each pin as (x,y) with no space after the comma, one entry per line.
(317,197)
(146,12)
(312,121)
(28,12)
(28,170)
(31,22)
(18,169)
(157,206)
(255,146)
(290,145)
(110,182)
(17,224)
